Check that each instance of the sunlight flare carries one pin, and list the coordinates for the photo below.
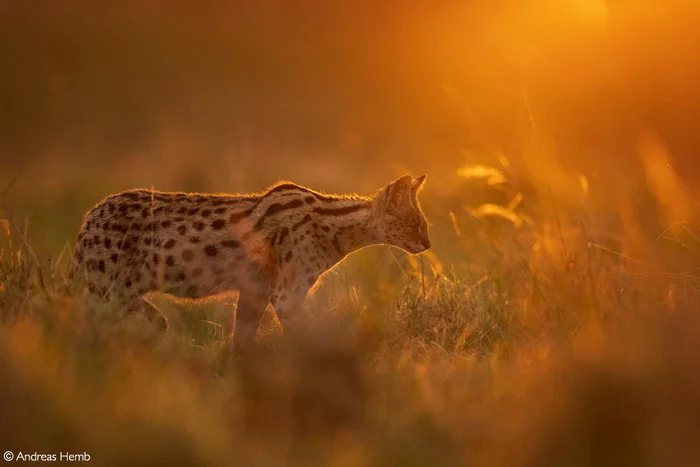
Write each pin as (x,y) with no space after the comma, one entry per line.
(492,175)
(493,210)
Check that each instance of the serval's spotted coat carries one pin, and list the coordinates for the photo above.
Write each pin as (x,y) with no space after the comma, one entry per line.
(271,247)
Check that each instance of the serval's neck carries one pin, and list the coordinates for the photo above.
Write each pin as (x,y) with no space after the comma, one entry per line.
(352,230)
(342,219)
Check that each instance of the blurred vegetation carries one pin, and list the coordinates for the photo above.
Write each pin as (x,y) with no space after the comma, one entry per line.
(553,321)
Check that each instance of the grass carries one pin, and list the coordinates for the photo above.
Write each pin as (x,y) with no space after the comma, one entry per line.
(516,343)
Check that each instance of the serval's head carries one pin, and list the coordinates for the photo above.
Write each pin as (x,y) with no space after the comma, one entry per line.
(397,217)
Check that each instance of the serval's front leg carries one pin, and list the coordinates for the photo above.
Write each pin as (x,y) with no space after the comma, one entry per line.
(249,312)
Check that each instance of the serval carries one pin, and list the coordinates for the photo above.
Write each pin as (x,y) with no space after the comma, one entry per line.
(271,247)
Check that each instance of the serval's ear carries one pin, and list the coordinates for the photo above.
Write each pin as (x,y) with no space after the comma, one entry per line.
(417,184)
(397,193)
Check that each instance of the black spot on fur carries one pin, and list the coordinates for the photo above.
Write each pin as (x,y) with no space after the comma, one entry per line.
(198,226)
(169,244)
(336,244)
(210,250)
(218,224)
(101,265)
(182,229)
(170,261)
(288,258)
(166,224)
(283,235)
(205,212)
(230,244)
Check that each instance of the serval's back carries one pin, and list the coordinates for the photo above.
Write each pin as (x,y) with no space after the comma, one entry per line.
(270,246)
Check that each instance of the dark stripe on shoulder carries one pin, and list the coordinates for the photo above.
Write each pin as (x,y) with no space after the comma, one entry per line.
(277,207)
(341,211)
(321,197)
(307,218)
(285,187)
